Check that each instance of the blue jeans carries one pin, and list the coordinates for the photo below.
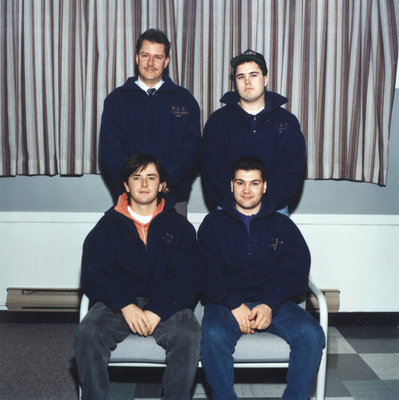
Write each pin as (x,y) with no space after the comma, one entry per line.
(220,333)
(102,329)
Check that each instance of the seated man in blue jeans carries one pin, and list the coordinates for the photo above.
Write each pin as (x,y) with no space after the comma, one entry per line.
(139,266)
(256,262)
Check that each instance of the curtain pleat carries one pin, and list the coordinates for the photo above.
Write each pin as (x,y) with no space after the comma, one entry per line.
(335,60)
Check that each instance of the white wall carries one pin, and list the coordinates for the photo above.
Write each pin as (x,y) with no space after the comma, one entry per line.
(357,254)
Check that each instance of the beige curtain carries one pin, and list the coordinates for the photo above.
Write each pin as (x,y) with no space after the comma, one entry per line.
(335,60)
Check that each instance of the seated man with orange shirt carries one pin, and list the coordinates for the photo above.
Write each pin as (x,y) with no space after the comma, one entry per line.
(139,266)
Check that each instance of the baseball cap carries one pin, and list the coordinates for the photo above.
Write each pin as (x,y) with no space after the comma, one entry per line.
(249,55)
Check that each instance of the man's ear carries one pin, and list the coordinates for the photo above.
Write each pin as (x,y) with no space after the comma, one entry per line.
(126,187)
(166,62)
(231,185)
(266,80)
(264,187)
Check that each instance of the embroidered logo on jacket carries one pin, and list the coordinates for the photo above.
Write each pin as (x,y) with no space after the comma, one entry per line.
(179,111)
(276,242)
(282,127)
(167,237)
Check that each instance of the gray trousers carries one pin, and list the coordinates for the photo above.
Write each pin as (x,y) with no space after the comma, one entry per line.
(102,329)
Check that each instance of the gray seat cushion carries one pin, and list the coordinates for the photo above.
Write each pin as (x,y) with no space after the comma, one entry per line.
(259,347)
(137,348)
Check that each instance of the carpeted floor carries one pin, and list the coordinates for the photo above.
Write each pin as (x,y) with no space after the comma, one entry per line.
(37,358)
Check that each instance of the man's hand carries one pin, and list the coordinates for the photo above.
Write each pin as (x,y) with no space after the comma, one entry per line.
(137,320)
(241,314)
(260,317)
(154,320)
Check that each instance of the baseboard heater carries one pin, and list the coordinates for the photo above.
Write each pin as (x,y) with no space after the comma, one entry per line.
(25,299)
(332,299)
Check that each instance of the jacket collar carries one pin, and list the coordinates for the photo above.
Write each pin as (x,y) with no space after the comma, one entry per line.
(123,205)
(118,212)
(266,210)
(273,100)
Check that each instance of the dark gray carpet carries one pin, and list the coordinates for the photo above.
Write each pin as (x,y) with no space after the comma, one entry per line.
(36,357)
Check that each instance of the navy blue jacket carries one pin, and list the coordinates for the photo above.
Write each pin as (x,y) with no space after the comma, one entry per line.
(117,266)
(166,125)
(270,263)
(273,135)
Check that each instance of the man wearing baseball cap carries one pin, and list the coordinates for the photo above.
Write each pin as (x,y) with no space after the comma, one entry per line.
(253,123)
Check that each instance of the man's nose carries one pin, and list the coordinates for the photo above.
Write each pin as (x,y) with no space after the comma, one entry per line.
(144,182)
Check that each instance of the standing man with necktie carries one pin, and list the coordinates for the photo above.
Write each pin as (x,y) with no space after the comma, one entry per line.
(150,114)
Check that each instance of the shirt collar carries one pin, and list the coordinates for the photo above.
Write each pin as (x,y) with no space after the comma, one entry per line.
(143,86)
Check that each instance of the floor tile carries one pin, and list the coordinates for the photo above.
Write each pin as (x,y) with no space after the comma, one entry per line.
(386,366)
(369,332)
(337,398)
(369,345)
(394,386)
(384,339)
(122,391)
(349,367)
(383,332)
(148,390)
(199,391)
(334,332)
(334,387)
(392,345)
(370,390)
(337,345)
(264,398)
(259,390)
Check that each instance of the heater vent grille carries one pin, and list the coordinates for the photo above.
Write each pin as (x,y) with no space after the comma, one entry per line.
(332,299)
(28,299)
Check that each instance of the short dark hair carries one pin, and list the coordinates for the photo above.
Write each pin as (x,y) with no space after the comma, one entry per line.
(249,163)
(138,162)
(263,68)
(153,35)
